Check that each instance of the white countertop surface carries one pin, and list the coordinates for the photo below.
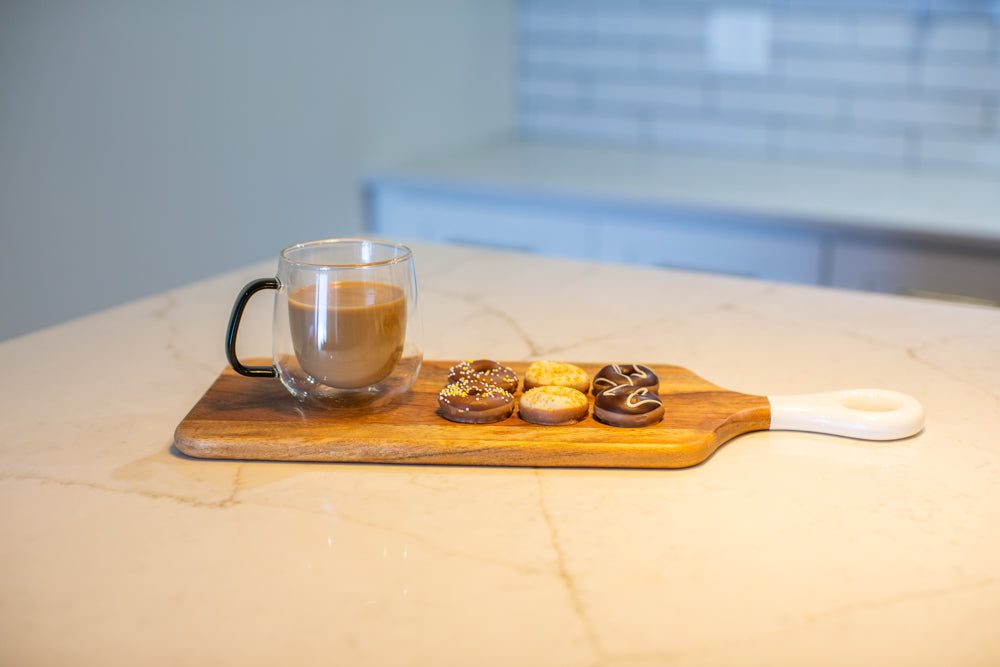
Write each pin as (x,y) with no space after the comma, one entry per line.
(959,204)
(782,548)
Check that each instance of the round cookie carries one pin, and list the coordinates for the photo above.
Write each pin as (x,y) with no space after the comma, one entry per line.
(554,373)
(475,402)
(552,405)
(628,406)
(486,370)
(633,375)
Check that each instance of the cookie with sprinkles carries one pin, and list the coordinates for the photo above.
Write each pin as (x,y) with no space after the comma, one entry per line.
(486,370)
(475,402)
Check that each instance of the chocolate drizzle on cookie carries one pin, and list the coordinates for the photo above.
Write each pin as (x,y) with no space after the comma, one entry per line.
(628,406)
(632,375)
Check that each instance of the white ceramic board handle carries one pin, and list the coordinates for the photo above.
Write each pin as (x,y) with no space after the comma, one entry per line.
(869,414)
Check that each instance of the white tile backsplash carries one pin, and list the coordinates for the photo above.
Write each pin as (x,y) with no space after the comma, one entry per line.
(778,103)
(537,88)
(918,112)
(712,134)
(961,35)
(814,30)
(611,21)
(910,82)
(848,70)
(886,33)
(889,146)
(670,60)
(583,125)
(948,76)
(605,60)
(646,95)
(982,151)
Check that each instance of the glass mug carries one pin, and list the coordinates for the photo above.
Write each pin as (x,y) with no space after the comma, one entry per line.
(347,329)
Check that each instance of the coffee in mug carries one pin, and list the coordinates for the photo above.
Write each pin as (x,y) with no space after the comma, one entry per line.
(347,329)
(348,334)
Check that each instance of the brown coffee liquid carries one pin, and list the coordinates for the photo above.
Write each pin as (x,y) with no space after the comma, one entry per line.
(351,336)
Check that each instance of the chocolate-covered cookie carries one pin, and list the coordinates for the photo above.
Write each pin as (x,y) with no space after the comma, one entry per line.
(486,370)
(633,375)
(475,402)
(628,406)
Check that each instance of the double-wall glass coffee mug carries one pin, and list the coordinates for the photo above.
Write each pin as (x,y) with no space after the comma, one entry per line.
(347,329)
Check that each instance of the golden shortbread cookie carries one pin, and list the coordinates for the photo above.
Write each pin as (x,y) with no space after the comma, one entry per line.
(556,374)
(552,405)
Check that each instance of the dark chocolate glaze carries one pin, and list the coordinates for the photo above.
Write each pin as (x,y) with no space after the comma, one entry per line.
(628,406)
(628,400)
(632,375)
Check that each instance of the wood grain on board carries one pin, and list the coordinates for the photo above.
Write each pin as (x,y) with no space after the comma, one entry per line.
(257,419)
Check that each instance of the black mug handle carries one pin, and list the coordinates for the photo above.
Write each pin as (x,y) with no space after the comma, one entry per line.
(251,288)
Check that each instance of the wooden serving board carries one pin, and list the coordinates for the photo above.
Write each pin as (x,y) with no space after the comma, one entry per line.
(256,418)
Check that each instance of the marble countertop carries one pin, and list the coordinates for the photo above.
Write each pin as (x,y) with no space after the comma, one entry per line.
(782,548)
(955,204)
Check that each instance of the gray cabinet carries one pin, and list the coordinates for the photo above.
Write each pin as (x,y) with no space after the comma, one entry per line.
(874,260)
(690,243)
(509,224)
(918,268)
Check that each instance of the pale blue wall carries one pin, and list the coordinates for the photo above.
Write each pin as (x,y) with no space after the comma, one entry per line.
(148,144)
